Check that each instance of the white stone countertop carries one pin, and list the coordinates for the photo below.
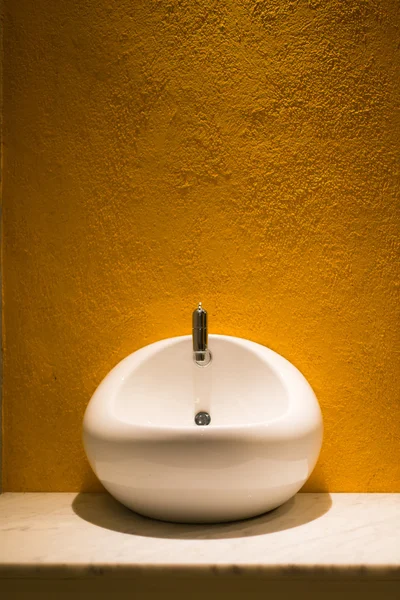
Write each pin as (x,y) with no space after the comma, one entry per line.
(82,535)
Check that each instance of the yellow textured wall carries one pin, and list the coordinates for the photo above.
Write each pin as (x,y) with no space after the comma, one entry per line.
(245,153)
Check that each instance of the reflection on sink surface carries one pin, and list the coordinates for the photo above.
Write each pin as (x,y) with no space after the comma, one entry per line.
(260,447)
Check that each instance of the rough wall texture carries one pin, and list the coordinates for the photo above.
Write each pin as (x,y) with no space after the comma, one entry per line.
(244,153)
(1,244)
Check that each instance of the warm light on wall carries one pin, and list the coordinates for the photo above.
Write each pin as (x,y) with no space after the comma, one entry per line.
(244,153)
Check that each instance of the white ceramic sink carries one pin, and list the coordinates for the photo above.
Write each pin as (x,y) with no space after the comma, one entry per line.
(260,447)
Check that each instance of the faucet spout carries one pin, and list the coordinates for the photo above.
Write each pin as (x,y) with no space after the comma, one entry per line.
(201,354)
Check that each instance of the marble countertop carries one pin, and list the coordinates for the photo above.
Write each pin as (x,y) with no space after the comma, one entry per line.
(80,535)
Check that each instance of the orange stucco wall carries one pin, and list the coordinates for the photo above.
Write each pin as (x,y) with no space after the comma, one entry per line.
(243,153)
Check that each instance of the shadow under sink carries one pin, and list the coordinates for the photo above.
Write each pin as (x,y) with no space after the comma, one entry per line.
(102,510)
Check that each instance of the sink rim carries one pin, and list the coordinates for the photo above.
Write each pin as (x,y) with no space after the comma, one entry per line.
(302,415)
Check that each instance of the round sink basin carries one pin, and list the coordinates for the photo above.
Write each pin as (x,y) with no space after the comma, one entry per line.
(252,452)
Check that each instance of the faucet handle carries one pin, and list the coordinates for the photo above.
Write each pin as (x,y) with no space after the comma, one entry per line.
(199,318)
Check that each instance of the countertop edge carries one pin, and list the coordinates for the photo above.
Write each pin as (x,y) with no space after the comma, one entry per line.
(135,571)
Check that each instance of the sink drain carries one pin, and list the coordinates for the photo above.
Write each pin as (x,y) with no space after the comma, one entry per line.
(202,418)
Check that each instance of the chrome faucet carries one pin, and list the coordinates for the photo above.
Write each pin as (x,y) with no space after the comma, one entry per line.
(201,353)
